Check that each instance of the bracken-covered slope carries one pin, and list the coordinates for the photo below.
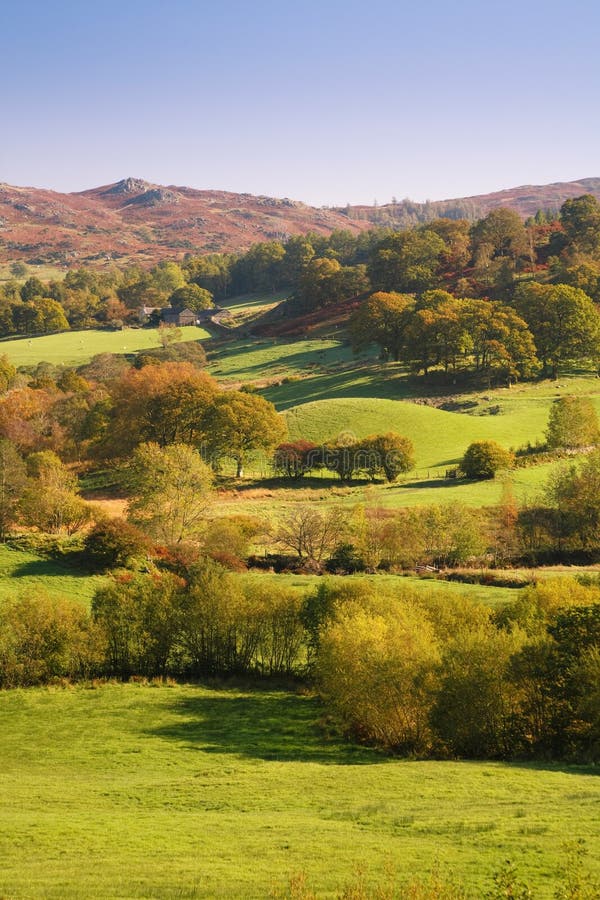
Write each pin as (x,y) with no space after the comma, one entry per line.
(141,222)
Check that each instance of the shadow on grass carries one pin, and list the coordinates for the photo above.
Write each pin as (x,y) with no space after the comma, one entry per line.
(267,725)
(435,483)
(47,568)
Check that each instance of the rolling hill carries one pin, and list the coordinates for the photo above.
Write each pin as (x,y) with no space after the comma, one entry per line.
(136,221)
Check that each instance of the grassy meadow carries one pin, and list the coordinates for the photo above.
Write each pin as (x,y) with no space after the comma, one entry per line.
(23,572)
(186,791)
(266,361)
(44,273)
(246,308)
(75,348)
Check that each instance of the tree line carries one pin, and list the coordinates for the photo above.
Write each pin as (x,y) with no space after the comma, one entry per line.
(408,671)
(547,327)
(485,259)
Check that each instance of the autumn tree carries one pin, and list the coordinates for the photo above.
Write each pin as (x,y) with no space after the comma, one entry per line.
(376,671)
(51,500)
(165,404)
(7,374)
(113,543)
(294,459)
(311,533)
(383,319)
(13,480)
(26,419)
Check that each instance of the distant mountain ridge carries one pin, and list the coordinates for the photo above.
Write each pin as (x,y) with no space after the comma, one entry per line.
(138,221)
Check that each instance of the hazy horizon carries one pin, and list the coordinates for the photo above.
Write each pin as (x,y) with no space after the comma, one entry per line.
(173,184)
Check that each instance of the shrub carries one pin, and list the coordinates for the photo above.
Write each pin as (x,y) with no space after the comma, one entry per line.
(43,639)
(114,543)
(376,670)
(345,560)
(483,459)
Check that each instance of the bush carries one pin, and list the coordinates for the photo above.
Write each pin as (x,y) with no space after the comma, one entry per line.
(43,639)
(483,459)
(114,543)
(376,669)
(345,560)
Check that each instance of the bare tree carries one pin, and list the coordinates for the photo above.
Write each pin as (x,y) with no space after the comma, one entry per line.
(311,533)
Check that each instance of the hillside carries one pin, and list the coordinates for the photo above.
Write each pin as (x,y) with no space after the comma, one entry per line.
(137,221)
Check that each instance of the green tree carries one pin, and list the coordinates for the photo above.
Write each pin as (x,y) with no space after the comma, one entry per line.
(191,296)
(575,493)
(170,492)
(140,620)
(500,234)
(572,423)
(500,341)
(476,702)
(18,269)
(407,261)
(389,454)
(50,314)
(32,289)
(239,425)
(563,321)
(580,218)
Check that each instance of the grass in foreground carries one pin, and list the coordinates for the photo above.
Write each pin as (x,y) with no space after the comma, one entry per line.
(163,792)
(75,348)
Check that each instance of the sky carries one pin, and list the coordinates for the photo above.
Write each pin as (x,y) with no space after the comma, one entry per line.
(324,101)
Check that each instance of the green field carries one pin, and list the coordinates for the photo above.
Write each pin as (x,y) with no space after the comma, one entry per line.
(245,308)
(22,572)
(492,596)
(44,273)
(128,791)
(74,348)
(271,359)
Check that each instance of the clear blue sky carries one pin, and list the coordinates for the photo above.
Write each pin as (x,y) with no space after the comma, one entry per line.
(329,102)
